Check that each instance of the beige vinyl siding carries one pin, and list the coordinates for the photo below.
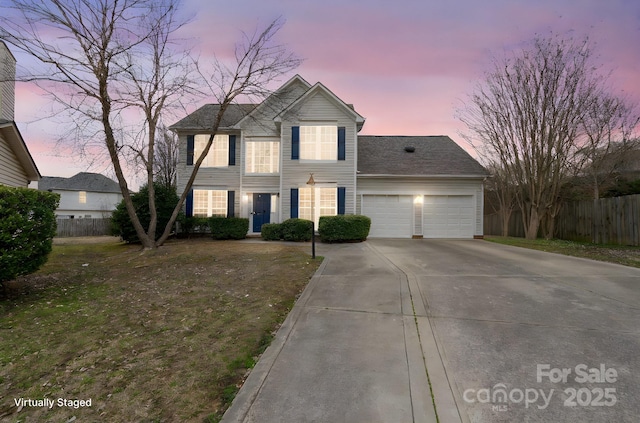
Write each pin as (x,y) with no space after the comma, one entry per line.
(11,171)
(7,84)
(227,178)
(318,109)
(261,123)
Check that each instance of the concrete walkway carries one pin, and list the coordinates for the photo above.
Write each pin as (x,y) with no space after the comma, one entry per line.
(349,351)
(387,328)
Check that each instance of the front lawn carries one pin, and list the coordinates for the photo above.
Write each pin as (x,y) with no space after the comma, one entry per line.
(626,255)
(153,336)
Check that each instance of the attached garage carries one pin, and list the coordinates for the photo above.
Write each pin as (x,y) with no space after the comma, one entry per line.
(448,216)
(422,187)
(390,215)
(432,216)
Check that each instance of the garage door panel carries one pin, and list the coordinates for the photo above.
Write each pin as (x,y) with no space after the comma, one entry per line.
(390,215)
(449,216)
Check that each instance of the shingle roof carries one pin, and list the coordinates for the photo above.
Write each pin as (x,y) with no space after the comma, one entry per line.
(432,155)
(83,181)
(203,117)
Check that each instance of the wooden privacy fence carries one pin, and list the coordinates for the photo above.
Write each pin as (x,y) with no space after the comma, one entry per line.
(613,220)
(83,227)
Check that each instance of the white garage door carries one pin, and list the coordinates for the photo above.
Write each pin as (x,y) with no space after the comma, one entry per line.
(448,216)
(390,215)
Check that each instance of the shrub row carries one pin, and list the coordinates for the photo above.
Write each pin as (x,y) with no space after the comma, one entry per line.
(290,230)
(27,228)
(228,227)
(344,228)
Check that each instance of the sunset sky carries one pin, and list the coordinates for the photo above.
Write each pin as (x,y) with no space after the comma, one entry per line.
(405,65)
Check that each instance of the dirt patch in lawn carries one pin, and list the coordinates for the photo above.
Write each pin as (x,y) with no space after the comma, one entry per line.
(164,335)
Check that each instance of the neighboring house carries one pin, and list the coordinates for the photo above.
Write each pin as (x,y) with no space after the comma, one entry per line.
(262,158)
(17,167)
(85,195)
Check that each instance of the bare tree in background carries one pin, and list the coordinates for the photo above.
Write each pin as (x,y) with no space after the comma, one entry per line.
(107,58)
(527,113)
(608,124)
(166,157)
(504,193)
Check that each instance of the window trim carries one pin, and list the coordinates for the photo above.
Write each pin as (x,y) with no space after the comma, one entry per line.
(220,145)
(319,143)
(316,207)
(210,203)
(274,158)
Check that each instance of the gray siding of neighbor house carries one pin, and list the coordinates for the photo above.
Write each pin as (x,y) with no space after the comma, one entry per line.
(11,171)
(98,205)
(319,108)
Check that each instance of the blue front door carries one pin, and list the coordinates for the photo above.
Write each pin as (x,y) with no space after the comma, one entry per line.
(261,211)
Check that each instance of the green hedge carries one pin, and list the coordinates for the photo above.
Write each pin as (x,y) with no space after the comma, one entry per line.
(193,225)
(296,229)
(27,228)
(166,201)
(271,231)
(344,228)
(228,227)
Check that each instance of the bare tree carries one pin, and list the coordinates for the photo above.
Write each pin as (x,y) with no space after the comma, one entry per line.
(608,124)
(166,157)
(107,58)
(527,113)
(504,192)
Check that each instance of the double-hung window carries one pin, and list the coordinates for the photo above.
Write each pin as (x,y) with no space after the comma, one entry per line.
(262,157)
(319,142)
(316,202)
(208,203)
(218,153)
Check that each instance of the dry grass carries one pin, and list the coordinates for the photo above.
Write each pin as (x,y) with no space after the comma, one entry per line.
(620,254)
(148,336)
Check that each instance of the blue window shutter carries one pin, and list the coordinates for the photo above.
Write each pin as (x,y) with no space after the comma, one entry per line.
(295,143)
(342,193)
(232,150)
(190,143)
(231,206)
(342,151)
(189,204)
(294,202)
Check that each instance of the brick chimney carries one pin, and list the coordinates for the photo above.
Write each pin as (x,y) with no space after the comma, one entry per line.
(7,83)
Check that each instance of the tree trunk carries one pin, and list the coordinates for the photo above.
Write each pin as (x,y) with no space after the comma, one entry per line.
(505,214)
(532,226)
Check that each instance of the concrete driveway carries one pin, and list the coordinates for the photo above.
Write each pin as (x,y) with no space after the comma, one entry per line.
(452,331)
(524,335)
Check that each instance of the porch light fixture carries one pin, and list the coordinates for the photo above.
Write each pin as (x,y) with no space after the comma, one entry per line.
(312,184)
(417,199)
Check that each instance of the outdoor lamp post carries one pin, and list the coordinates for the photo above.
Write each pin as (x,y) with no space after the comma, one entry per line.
(312,184)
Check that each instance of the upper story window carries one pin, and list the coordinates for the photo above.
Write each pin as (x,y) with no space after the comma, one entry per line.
(82,197)
(262,157)
(318,142)
(218,153)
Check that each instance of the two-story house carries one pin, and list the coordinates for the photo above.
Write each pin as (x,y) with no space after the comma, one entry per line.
(84,195)
(263,156)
